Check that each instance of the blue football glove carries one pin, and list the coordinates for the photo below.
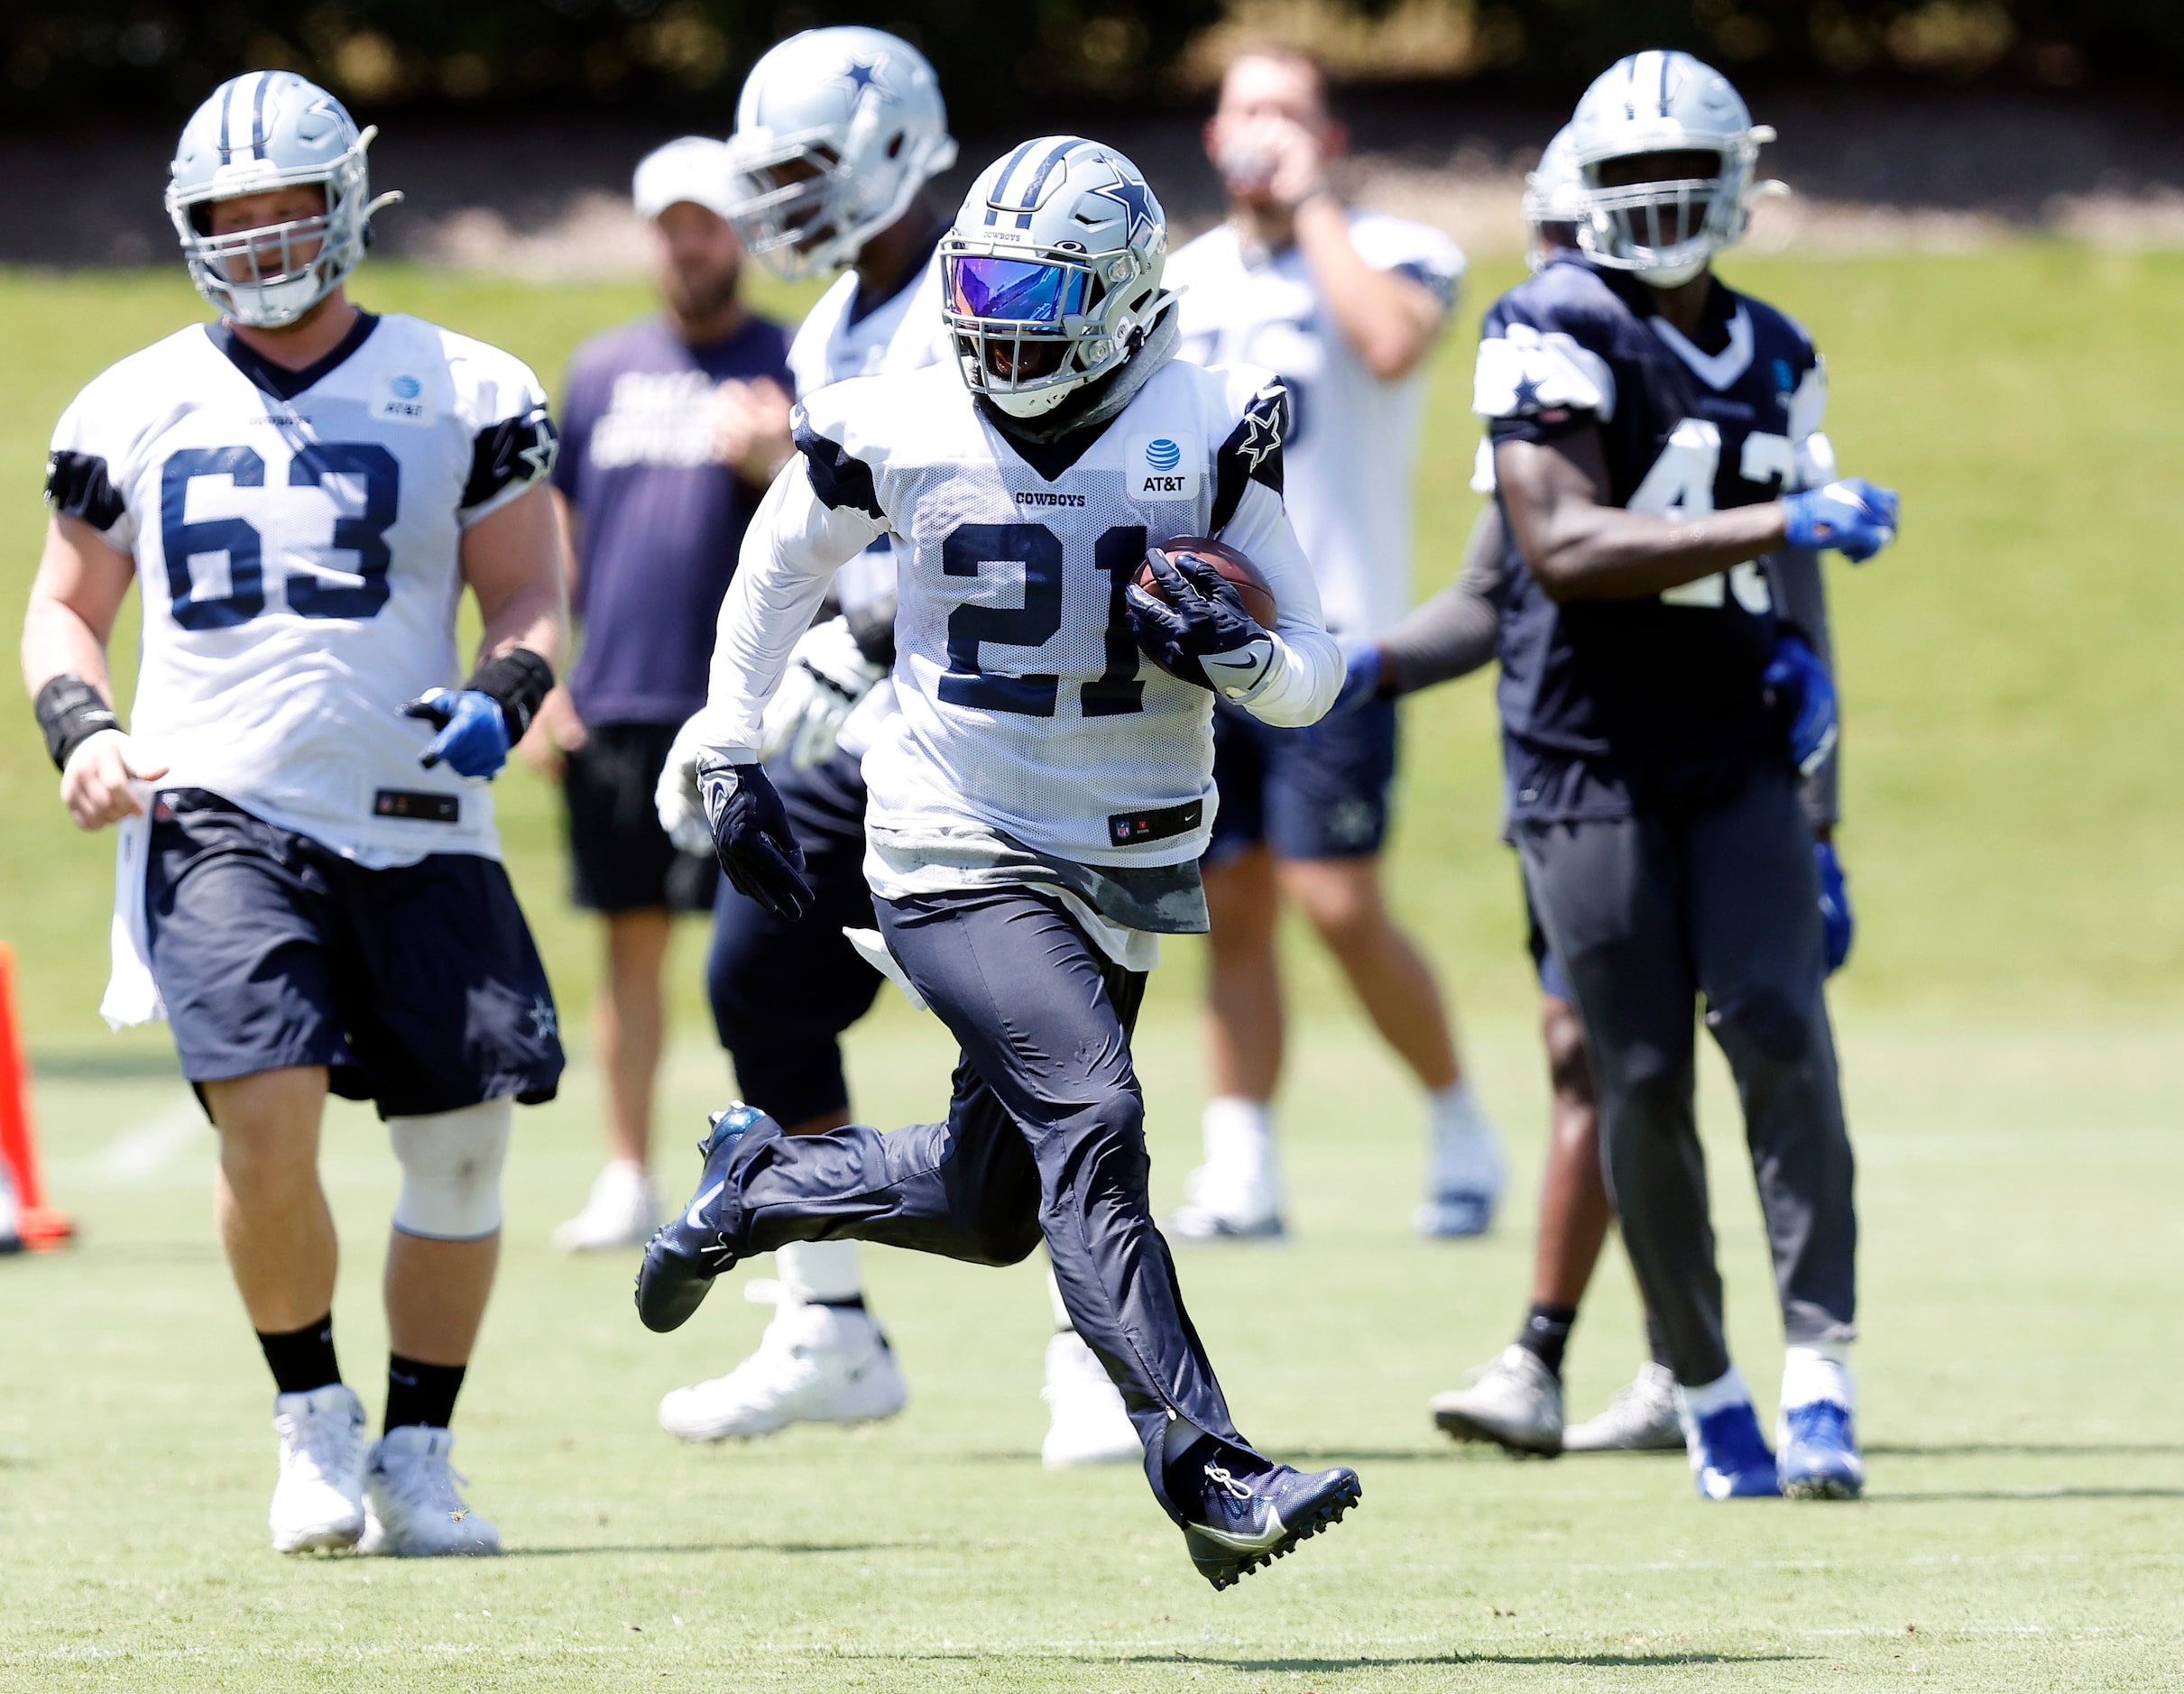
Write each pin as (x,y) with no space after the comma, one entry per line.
(1202,634)
(1805,696)
(1855,517)
(758,850)
(473,736)
(1837,920)
(1364,669)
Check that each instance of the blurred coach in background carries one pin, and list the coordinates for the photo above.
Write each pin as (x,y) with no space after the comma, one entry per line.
(675,425)
(1344,306)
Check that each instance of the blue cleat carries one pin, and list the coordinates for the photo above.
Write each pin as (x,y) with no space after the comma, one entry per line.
(1241,1512)
(1819,1453)
(693,1247)
(1729,1456)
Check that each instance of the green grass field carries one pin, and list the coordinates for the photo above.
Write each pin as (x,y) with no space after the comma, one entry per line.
(2011,1046)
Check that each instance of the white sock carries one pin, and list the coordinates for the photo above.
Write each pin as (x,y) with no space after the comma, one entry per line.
(1813,1372)
(1726,1390)
(1239,1136)
(817,1271)
(1455,1106)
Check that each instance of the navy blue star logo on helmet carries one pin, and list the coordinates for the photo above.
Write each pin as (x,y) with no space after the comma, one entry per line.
(1528,393)
(860,76)
(1137,203)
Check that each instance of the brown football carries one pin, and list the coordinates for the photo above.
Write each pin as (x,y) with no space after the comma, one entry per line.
(1239,572)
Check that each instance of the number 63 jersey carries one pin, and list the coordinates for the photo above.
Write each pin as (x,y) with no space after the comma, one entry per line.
(1666,690)
(296,537)
(1025,706)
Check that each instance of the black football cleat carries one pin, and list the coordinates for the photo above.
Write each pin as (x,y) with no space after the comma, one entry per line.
(1243,1515)
(689,1250)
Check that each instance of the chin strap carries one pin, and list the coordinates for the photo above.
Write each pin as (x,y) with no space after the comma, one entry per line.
(1099,402)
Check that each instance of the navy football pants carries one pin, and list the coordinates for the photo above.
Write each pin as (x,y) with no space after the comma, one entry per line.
(1044,1140)
(783,993)
(1645,915)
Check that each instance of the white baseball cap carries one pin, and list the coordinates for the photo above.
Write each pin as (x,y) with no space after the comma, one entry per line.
(694,168)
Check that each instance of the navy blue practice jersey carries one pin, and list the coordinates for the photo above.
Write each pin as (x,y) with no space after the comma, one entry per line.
(1603,702)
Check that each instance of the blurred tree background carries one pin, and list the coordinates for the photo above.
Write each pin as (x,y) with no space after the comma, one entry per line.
(76,64)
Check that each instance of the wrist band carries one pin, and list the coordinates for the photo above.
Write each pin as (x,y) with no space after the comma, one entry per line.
(518,680)
(71,711)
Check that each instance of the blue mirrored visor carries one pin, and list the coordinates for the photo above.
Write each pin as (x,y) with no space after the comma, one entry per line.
(1014,290)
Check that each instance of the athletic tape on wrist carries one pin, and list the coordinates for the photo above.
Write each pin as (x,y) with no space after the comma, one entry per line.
(71,711)
(518,680)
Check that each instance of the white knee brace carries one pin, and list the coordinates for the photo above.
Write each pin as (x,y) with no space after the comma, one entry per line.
(451,1171)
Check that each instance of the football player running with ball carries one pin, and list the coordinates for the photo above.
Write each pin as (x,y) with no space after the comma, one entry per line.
(310,890)
(838,134)
(1654,436)
(1039,803)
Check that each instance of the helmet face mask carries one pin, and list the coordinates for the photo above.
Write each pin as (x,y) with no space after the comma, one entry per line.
(1666,150)
(1052,273)
(835,132)
(257,136)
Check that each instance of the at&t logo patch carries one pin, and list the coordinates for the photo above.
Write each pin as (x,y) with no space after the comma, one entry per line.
(1162,467)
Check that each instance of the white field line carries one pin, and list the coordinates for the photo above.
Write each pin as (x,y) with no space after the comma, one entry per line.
(143,1150)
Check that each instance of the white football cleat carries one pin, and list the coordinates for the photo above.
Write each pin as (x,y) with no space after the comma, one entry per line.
(1465,1176)
(318,1504)
(623,1210)
(816,1363)
(1516,1402)
(411,1508)
(1089,1425)
(1641,1418)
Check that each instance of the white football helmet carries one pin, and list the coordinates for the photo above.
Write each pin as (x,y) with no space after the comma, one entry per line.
(835,132)
(1554,196)
(271,129)
(1052,272)
(1664,232)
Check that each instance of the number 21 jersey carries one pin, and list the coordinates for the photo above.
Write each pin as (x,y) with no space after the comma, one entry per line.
(1026,707)
(296,537)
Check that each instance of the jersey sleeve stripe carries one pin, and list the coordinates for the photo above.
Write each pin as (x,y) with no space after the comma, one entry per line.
(78,486)
(836,479)
(513,450)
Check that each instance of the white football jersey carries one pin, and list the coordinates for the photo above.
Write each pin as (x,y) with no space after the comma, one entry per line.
(295,537)
(905,331)
(1026,705)
(1352,449)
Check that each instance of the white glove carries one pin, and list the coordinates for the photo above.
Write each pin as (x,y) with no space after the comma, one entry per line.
(827,675)
(682,812)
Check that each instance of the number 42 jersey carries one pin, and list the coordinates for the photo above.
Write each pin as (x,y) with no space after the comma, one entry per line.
(1602,699)
(1026,707)
(295,537)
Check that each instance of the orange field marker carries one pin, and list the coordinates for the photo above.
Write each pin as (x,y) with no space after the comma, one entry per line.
(40,1226)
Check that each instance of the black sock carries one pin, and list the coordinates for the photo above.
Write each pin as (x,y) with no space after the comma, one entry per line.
(1546,1332)
(1657,1341)
(302,1360)
(418,1392)
(855,1302)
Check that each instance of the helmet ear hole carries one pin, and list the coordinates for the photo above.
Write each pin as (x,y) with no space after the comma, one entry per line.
(895,146)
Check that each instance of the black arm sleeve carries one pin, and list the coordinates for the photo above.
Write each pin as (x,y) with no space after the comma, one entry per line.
(1457,630)
(1800,594)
